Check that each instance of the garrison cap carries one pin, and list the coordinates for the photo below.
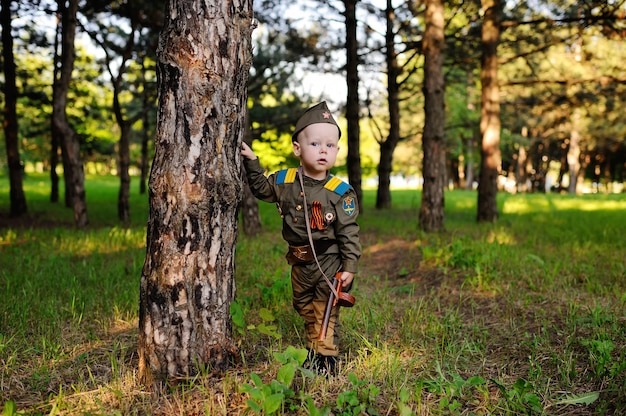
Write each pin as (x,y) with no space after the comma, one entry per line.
(319,113)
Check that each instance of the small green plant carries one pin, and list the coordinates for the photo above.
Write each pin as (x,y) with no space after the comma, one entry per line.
(521,398)
(265,327)
(359,400)
(9,408)
(454,391)
(601,359)
(269,398)
(403,407)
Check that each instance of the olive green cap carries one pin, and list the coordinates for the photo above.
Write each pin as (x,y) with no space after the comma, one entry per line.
(319,113)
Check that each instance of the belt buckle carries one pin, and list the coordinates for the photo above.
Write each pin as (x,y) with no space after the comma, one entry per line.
(301,252)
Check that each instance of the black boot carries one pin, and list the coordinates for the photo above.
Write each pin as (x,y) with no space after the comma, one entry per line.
(310,361)
(325,365)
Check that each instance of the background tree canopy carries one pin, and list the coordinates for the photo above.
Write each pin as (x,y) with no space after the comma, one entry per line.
(560,73)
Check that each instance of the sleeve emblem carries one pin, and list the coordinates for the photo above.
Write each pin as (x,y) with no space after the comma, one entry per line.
(349,205)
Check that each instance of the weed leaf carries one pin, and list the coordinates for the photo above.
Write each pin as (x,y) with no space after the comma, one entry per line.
(9,408)
(286,373)
(585,398)
(272,403)
(266,315)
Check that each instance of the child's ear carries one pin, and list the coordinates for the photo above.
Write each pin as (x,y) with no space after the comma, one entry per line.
(296,148)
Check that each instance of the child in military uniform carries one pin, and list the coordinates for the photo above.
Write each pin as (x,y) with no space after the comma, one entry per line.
(332,211)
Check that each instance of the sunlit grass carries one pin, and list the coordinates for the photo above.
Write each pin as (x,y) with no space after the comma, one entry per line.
(477,319)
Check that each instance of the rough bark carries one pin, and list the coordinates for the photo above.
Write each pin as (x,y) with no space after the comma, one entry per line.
(352,106)
(490,114)
(431,210)
(16,190)
(195,188)
(387,147)
(69,140)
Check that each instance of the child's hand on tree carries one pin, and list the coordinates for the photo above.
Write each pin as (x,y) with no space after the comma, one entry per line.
(247,152)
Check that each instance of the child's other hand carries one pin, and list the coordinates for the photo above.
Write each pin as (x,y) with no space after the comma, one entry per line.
(247,152)
(346,278)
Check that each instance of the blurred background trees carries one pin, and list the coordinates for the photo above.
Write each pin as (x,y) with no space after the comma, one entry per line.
(560,78)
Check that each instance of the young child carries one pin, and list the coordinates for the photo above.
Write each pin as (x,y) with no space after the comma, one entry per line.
(332,211)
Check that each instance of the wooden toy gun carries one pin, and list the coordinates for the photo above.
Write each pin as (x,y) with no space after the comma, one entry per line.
(342,299)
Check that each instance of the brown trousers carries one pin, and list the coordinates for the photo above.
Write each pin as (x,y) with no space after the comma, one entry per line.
(310,295)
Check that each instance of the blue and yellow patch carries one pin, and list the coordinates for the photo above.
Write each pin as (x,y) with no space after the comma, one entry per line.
(286,176)
(336,185)
(349,205)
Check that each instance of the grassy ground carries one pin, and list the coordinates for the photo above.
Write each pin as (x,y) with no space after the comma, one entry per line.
(525,316)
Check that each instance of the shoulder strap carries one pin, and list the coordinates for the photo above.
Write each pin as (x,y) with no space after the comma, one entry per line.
(336,185)
(286,176)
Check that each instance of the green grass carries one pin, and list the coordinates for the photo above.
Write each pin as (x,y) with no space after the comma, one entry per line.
(524,316)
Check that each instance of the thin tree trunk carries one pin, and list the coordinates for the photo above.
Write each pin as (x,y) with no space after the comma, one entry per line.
(573,156)
(69,139)
(352,106)
(490,114)
(195,188)
(250,215)
(145,139)
(431,210)
(383,195)
(54,134)
(54,161)
(16,192)
(521,168)
(469,161)
(123,204)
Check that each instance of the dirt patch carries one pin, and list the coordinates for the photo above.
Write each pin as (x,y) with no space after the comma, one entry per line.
(35,220)
(399,263)
(391,259)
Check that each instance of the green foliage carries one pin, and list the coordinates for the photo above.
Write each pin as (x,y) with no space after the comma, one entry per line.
(522,316)
(361,399)
(521,397)
(268,398)
(455,391)
(9,408)
(265,327)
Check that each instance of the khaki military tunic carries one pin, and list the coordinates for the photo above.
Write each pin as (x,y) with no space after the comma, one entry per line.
(335,235)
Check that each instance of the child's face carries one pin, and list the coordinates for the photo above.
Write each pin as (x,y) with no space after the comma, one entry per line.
(317,148)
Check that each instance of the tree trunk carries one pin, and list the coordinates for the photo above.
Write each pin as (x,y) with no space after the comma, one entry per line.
(250,215)
(123,204)
(521,177)
(250,210)
(16,193)
(383,195)
(431,209)
(352,106)
(54,134)
(145,138)
(123,162)
(490,114)
(125,124)
(69,139)
(573,156)
(469,144)
(195,187)
(54,161)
